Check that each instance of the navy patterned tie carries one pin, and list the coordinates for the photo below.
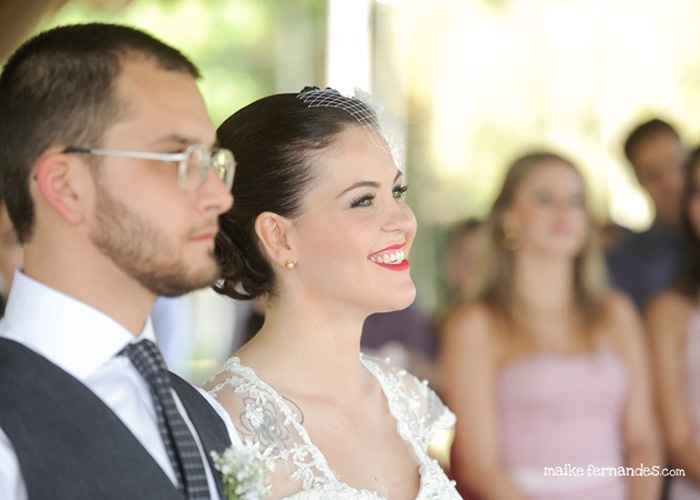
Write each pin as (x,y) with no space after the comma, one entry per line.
(182,448)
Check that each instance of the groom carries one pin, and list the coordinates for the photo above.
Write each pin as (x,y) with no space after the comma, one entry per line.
(107,169)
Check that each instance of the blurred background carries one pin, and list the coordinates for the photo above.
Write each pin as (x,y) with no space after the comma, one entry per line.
(462,86)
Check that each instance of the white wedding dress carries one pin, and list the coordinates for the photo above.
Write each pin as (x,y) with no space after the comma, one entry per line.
(298,469)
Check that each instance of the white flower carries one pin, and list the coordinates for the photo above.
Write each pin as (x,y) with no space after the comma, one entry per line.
(243,472)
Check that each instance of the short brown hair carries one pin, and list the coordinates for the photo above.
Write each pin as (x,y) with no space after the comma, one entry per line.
(644,132)
(58,89)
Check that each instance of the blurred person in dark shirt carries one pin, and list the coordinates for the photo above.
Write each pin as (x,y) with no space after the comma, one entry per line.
(642,264)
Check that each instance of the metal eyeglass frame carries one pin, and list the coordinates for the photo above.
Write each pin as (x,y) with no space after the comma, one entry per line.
(224,170)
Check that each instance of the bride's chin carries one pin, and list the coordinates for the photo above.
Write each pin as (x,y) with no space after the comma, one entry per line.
(397,302)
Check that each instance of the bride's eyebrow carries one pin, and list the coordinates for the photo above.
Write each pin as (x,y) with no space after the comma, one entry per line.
(360,184)
(372,184)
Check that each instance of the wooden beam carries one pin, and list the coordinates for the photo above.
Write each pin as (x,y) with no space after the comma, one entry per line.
(18,18)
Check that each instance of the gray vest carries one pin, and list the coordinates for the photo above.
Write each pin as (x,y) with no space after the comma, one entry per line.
(71,446)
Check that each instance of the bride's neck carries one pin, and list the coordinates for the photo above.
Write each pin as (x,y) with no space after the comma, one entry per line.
(309,344)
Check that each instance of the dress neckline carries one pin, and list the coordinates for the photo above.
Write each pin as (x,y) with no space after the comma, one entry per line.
(234,364)
(575,358)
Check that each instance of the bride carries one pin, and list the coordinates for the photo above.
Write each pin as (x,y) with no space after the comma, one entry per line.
(321,229)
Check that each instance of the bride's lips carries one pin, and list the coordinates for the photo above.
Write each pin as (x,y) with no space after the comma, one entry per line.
(392,257)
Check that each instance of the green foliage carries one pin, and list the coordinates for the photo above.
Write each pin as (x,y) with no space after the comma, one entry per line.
(232,43)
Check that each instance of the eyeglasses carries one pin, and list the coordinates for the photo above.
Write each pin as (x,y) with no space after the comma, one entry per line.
(193,164)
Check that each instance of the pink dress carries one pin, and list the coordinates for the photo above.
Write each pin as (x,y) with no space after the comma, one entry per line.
(561,425)
(681,488)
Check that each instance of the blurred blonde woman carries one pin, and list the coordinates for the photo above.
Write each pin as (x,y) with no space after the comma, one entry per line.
(673,319)
(545,367)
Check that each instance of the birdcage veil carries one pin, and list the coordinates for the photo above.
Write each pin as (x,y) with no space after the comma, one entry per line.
(362,108)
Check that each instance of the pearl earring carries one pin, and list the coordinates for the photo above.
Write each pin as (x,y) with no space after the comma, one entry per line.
(290,264)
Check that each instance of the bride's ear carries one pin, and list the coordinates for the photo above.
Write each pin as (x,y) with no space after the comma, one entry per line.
(273,230)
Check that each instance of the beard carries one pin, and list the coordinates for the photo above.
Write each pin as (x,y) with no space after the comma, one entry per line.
(143,252)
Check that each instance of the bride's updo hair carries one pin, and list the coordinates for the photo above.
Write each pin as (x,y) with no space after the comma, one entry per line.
(273,140)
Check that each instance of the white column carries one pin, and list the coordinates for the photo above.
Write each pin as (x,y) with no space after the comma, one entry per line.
(348,45)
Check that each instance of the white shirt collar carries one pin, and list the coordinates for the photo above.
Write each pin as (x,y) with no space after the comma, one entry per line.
(69,333)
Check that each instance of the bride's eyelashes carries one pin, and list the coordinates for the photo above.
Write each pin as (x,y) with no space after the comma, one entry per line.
(398,192)
(363,201)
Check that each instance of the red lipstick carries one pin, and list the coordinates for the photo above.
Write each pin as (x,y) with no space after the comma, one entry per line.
(401,266)
(378,258)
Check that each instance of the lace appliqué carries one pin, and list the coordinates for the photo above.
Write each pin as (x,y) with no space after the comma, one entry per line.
(417,409)
(419,413)
(267,418)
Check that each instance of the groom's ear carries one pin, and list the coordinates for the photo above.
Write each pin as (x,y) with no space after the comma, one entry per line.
(64,184)
(273,231)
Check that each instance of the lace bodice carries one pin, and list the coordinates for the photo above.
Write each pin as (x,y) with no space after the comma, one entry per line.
(297,468)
